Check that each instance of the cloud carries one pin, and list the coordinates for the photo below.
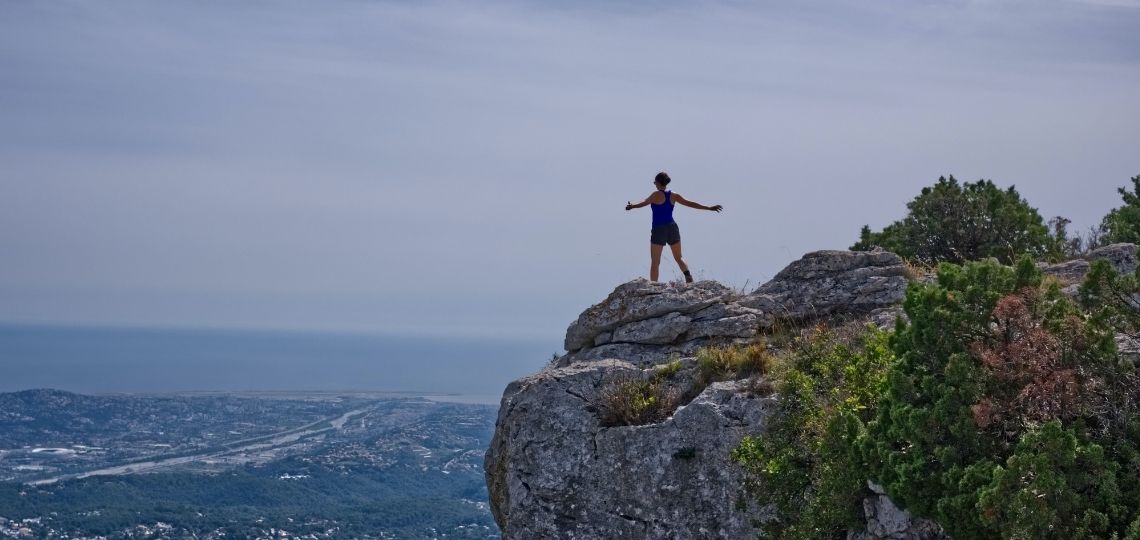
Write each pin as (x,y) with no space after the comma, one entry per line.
(463,165)
(1132,4)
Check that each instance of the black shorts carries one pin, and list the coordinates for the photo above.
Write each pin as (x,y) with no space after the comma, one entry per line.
(668,233)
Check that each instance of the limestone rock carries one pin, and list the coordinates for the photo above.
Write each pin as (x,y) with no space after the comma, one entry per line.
(643,322)
(658,331)
(885,521)
(635,353)
(728,321)
(884,318)
(554,472)
(1122,257)
(1068,272)
(640,354)
(639,300)
(603,338)
(1129,347)
(826,282)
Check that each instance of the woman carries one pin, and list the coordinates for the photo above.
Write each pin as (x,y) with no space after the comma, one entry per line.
(665,230)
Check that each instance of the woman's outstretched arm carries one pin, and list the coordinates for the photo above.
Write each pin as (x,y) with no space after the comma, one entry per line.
(649,199)
(697,205)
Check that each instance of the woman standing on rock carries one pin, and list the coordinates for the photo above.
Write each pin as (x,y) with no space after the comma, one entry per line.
(665,230)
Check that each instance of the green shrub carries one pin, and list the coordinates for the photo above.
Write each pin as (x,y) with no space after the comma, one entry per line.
(961,222)
(1063,246)
(803,462)
(670,369)
(1133,532)
(637,400)
(998,407)
(1055,485)
(1005,414)
(1123,224)
(1111,297)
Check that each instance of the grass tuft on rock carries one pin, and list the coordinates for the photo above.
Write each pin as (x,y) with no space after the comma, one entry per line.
(732,362)
(635,401)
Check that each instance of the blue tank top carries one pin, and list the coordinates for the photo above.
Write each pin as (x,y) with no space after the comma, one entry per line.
(663,213)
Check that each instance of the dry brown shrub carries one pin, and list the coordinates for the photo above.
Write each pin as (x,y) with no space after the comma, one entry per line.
(1035,381)
(633,401)
(917,270)
(734,361)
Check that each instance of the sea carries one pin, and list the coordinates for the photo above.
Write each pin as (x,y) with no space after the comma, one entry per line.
(99,360)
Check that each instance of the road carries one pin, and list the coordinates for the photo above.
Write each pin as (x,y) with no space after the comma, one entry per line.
(245,445)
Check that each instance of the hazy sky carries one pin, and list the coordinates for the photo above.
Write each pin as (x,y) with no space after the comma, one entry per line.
(461,167)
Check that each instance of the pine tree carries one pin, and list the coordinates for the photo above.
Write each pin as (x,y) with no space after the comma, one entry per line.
(1123,224)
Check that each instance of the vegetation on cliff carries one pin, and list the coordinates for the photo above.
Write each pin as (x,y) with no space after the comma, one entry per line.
(633,400)
(958,222)
(998,406)
(802,463)
(1007,412)
(1123,224)
(636,400)
(1000,409)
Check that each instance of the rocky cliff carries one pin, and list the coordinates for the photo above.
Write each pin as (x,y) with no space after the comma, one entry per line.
(555,470)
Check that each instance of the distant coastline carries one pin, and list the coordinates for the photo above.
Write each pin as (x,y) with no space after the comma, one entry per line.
(442,397)
(113,360)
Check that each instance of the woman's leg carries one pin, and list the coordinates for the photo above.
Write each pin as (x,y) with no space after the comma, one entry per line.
(654,260)
(677,257)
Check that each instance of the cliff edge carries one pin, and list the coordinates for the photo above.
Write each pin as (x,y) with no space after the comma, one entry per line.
(556,469)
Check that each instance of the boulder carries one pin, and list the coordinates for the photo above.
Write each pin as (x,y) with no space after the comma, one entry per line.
(658,331)
(1129,347)
(822,283)
(554,471)
(727,321)
(885,521)
(1122,257)
(639,300)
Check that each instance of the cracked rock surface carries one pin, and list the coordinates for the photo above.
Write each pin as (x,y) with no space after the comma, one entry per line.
(885,521)
(822,283)
(644,323)
(639,301)
(1122,257)
(553,471)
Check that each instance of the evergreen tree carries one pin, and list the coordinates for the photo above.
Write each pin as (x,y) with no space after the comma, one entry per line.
(1007,413)
(1123,224)
(955,222)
